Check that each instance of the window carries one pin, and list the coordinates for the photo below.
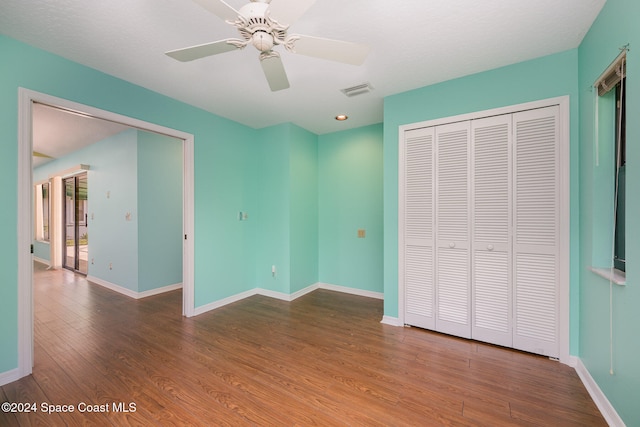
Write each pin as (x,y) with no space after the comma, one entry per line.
(43,211)
(620,176)
(610,93)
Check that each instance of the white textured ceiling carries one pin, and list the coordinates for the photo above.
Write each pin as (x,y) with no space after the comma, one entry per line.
(57,133)
(414,43)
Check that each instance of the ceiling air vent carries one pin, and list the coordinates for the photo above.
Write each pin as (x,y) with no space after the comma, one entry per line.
(357,90)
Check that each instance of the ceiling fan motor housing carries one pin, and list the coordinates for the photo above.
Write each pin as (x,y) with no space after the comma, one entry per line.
(256,26)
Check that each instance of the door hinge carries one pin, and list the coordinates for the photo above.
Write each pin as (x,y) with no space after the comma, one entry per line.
(32,248)
(185,237)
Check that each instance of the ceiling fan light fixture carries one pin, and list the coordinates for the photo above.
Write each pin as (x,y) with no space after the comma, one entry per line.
(262,41)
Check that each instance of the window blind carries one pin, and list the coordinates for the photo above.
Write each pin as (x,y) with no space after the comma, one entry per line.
(612,75)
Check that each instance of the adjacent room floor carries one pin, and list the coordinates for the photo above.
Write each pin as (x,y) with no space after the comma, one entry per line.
(324,359)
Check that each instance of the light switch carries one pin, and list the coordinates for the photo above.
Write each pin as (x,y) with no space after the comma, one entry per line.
(361,233)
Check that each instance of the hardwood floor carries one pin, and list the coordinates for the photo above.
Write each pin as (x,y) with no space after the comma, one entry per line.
(324,359)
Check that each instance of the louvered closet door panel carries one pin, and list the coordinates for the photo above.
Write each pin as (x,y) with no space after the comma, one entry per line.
(491,247)
(536,237)
(453,310)
(418,228)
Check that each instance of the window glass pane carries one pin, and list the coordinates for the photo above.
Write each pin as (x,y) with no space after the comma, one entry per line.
(621,160)
(45,211)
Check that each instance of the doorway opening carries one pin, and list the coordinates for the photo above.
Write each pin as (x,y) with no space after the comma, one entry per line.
(76,197)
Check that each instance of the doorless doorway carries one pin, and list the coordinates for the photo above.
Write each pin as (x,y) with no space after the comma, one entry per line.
(27,98)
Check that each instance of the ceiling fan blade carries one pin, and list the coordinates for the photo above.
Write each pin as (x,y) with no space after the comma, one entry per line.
(220,9)
(333,50)
(286,12)
(274,72)
(201,50)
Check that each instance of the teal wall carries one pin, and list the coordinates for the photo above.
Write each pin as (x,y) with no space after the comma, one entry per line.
(350,198)
(288,201)
(271,174)
(226,173)
(226,182)
(616,26)
(41,250)
(274,201)
(306,195)
(160,173)
(112,239)
(304,208)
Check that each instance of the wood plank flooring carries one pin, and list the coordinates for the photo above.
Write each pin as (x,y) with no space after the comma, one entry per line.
(324,359)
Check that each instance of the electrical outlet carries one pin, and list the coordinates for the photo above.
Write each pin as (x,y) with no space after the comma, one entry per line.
(361,233)
(110,266)
(273,270)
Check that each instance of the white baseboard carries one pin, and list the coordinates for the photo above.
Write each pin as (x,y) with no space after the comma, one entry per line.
(608,411)
(304,291)
(132,294)
(572,361)
(393,321)
(42,261)
(286,297)
(352,291)
(283,296)
(161,290)
(224,301)
(9,376)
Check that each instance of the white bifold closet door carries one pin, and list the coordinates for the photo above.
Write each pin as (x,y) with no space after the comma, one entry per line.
(491,213)
(536,231)
(453,290)
(479,216)
(419,250)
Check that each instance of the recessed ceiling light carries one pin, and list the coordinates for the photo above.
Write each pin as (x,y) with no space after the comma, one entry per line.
(341,117)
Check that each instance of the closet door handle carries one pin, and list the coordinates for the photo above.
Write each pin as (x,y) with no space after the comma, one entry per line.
(452,244)
(489,247)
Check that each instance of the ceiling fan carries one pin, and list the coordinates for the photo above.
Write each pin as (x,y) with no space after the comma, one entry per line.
(264,24)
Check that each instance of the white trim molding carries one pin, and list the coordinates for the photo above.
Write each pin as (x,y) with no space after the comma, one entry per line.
(224,301)
(133,294)
(285,297)
(9,376)
(393,321)
(606,408)
(42,261)
(352,291)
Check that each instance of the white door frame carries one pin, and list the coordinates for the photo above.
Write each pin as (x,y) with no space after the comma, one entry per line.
(26,98)
(564,187)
